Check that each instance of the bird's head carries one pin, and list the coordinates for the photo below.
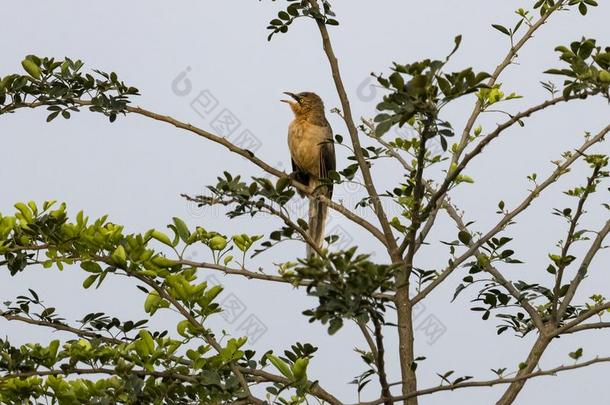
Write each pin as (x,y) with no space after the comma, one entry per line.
(305,103)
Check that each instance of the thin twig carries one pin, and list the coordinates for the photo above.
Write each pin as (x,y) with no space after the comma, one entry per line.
(244,153)
(507,218)
(569,239)
(353,132)
(582,269)
(489,383)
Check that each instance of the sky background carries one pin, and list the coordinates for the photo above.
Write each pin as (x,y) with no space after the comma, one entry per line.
(135,169)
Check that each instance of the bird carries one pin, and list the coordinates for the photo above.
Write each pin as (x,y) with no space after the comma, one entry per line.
(312,151)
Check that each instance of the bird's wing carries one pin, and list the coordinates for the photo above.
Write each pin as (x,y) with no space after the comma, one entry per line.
(300,176)
(328,160)
(295,167)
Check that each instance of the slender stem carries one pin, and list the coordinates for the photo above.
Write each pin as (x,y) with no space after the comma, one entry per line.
(349,214)
(315,388)
(403,307)
(498,381)
(369,339)
(583,268)
(498,277)
(101,370)
(513,51)
(383,379)
(207,336)
(402,299)
(478,149)
(418,196)
(60,327)
(569,240)
(583,316)
(406,339)
(273,211)
(528,368)
(587,326)
(507,218)
(353,131)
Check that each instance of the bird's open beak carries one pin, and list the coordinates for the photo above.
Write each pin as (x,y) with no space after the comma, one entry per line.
(294,96)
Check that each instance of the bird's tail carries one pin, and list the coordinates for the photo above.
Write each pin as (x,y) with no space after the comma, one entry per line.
(317,221)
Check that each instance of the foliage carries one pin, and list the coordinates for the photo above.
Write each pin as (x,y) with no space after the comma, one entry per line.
(106,360)
(60,85)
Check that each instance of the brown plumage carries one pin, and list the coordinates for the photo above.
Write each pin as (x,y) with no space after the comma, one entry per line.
(310,140)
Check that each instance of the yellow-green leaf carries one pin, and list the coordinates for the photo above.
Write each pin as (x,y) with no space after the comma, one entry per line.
(32,68)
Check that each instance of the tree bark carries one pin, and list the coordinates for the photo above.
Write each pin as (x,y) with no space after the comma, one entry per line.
(404,310)
(531,363)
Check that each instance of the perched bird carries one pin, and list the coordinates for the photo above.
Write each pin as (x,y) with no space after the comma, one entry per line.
(310,140)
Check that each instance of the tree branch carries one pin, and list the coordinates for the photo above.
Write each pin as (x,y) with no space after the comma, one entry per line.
(583,316)
(490,383)
(497,275)
(558,172)
(315,389)
(108,371)
(569,239)
(383,379)
(584,266)
(454,173)
(496,74)
(242,152)
(60,327)
(278,213)
(208,337)
(353,132)
(587,326)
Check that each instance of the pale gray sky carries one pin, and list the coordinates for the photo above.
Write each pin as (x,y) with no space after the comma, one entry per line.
(135,169)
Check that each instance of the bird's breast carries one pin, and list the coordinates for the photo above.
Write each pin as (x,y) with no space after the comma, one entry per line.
(304,142)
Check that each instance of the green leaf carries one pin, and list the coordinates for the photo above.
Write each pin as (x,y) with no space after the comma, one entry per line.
(335,325)
(577,354)
(89,281)
(501,28)
(457,40)
(32,68)
(119,256)
(52,116)
(582,8)
(91,267)
(217,243)
(151,303)
(53,348)
(383,127)
(161,237)
(464,237)
(293,10)
(182,229)
(148,340)
(397,80)
(281,366)
(299,368)
(395,222)
(282,183)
